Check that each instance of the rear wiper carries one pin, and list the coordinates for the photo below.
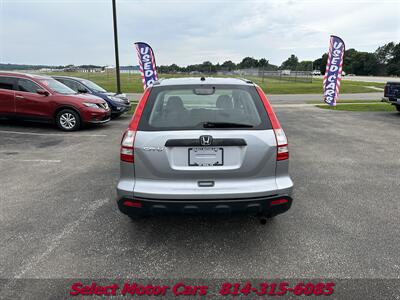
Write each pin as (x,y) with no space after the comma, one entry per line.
(226,125)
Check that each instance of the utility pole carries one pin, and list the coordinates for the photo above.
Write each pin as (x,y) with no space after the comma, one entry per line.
(116,47)
(312,70)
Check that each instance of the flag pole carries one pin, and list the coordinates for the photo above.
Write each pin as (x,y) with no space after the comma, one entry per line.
(116,47)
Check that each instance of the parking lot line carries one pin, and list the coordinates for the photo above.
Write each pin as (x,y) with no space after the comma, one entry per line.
(31,160)
(54,241)
(56,134)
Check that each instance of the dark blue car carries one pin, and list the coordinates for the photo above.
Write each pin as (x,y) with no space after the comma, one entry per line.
(392,94)
(118,103)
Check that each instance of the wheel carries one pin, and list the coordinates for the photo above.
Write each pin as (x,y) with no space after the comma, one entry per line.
(68,120)
(398,108)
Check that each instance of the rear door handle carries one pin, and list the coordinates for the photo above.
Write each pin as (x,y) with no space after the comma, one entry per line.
(19,97)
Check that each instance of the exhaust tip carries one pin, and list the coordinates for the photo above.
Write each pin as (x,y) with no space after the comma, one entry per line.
(263,221)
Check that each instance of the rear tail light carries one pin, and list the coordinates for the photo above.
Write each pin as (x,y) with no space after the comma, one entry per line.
(279,202)
(127,146)
(130,203)
(282,146)
(128,139)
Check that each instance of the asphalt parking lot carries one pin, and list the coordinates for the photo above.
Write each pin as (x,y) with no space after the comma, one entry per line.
(59,219)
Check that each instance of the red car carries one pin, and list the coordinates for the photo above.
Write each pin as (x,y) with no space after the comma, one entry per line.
(43,98)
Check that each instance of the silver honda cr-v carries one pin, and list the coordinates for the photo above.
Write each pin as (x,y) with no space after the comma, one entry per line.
(204,145)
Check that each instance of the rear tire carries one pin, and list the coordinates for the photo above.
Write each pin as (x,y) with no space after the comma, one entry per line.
(398,108)
(68,120)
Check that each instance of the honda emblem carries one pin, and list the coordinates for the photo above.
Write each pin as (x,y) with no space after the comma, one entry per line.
(205,140)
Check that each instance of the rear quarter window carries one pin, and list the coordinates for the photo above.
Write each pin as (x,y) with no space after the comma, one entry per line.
(26,85)
(7,83)
(184,108)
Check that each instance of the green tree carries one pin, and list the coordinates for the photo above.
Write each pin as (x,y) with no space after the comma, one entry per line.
(393,64)
(317,64)
(228,65)
(385,53)
(360,63)
(305,65)
(263,62)
(349,59)
(248,62)
(207,67)
(290,64)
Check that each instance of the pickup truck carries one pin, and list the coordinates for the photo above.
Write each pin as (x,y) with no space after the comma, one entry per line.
(392,94)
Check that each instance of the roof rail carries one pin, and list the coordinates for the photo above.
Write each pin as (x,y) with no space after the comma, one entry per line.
(158,81)
(22,73)
(245,80)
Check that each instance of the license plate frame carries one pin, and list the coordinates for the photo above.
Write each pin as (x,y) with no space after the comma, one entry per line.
(217,162)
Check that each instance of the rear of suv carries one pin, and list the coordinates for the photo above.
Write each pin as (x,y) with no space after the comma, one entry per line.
(42,98)
(392,94)
(209,145)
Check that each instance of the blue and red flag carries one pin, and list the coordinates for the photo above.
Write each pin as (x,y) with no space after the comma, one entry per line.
(147,64)
(333,72)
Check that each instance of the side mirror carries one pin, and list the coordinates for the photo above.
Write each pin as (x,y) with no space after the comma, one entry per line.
(83,90)
(43,92)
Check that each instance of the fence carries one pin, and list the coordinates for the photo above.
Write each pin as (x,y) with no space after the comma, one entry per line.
(280,75)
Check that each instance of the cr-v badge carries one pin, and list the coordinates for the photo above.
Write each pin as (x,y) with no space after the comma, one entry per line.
(158,149)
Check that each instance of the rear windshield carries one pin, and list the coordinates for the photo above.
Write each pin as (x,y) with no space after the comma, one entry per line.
(392,89)
(204,107)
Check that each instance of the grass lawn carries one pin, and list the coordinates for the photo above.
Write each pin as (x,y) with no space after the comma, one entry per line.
(132,110)
(132,83)
(344,101)
(273,86)
(360,107)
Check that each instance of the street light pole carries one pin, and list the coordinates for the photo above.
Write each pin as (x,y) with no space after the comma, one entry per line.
(116,47)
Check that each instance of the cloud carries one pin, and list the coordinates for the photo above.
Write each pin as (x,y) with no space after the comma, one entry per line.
(188,32)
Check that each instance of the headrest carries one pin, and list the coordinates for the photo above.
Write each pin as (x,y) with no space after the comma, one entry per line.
(224,102)
(174,103)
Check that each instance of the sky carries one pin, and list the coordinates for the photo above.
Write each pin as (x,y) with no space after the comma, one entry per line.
(60,32)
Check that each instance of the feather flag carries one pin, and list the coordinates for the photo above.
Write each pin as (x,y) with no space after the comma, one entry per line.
(333,73)
(147,64)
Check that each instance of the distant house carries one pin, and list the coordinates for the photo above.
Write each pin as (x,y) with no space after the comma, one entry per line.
(90,69)
(130,69)
(70,69)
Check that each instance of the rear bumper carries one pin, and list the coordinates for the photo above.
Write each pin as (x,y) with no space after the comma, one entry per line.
(391,100)
(269,206)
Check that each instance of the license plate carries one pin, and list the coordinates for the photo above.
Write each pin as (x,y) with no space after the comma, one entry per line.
(206,156)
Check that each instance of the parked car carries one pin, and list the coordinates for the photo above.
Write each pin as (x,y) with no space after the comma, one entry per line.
(42,98)
(118,103)
(209,145)
(392,94)
(316,72)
